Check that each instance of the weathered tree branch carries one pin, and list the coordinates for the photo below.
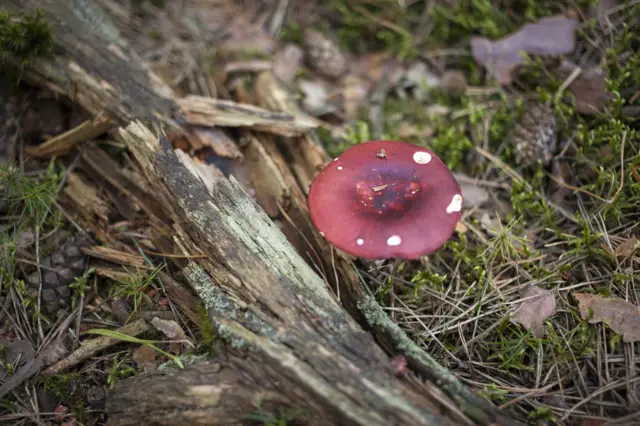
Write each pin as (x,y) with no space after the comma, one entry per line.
(274,306)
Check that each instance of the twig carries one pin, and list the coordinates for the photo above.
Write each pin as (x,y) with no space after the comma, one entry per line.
(574,74)
(90,347)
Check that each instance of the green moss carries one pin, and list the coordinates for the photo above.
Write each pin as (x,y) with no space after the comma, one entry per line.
(208,335)
(451,144)
(25,36)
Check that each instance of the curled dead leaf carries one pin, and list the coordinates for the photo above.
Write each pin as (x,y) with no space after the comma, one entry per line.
(549,36)
(172,330)
(589,87)
(287,62)
(623,317)
(473,195)
(627,248)
(145,358)
(538,305)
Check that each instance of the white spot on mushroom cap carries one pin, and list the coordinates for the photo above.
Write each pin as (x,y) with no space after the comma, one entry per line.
(360,241)
(455,205)
(394,240)
(422,157)
(322,234)
(340,167)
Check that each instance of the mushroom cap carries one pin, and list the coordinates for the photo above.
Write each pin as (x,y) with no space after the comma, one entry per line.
(386,199)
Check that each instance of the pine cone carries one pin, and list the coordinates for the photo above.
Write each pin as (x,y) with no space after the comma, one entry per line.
(534,137)
(324,55)
(58,271)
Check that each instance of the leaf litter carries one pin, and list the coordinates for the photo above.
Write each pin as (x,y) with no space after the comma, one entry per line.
(623,317)
(549,36)
(537,306)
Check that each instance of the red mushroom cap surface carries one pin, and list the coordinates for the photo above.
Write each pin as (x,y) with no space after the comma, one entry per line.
(386,199)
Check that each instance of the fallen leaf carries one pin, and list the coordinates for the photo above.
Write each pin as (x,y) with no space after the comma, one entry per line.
(590,90)
(407,130)
(437,110)
(287,62)
(374,66)
(461,228)
(623,317)
(627,248)
(145,358)
(421,79)
(60,413)
(53,352)
(25,239)
(549,36)
(490,222)
(354,92)
(473,195)
(539,304)
(171,329)
(15,353)
(20,355)
(316,97)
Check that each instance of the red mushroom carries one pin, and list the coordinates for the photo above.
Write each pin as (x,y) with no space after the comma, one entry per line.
(386,199)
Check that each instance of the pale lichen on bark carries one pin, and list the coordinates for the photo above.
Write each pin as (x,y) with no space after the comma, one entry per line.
(473,405)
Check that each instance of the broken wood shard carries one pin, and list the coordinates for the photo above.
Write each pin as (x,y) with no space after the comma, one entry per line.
(205,111)
(62,143)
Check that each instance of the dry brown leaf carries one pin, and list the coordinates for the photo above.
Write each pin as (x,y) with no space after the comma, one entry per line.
(473,195)
(627,248)
(539,304)
(407,130)
(145,358)
(354,92)
(461,228)
(171,329)
(316,97)
(590,90)
(549,36)
(287,62)
(53,352)
(623,317)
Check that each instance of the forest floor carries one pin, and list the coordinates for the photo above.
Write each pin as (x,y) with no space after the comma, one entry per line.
(533,302)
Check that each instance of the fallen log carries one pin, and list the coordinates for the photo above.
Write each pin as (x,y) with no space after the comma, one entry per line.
(287,340)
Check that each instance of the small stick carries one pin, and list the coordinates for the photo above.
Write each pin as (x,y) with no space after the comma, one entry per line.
(89,347)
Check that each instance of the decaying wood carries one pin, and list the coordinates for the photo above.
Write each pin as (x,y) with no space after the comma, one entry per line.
(93,211)
(210,392)
(285,333)
(105,167)
(116,256)
(216,139)
(207,111)
(62,143)
(90,347)
(307,158)
(274,306)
